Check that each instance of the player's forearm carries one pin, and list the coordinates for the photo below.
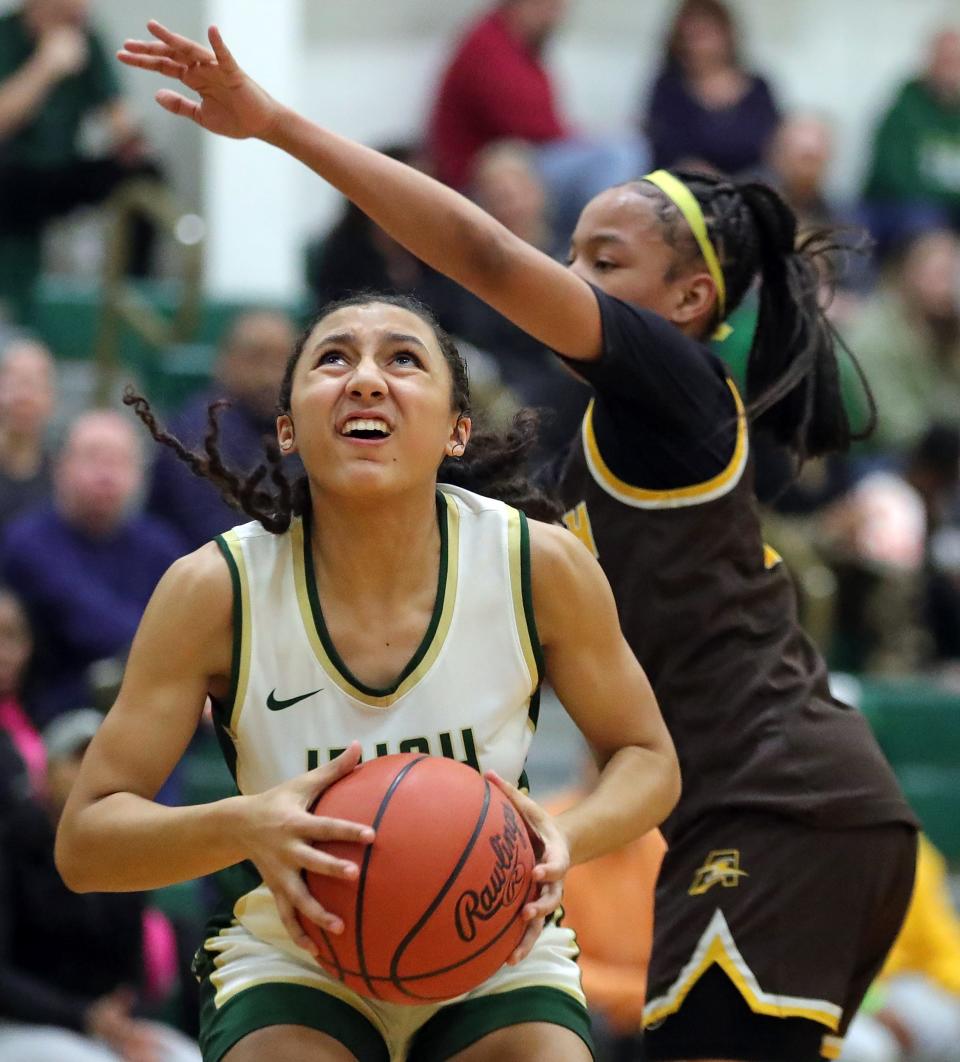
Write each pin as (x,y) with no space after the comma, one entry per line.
(636,791)
(22,94)
(437,224)
(126,843)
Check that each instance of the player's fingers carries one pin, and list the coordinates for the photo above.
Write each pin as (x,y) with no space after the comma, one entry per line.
(527,941)
(222,52)
(530,809)
(183,46)
(319,862)
(176,104)
(133,44)
(546,903)
(552,865)
(314,782)
(303,902)
(320,828)
(307,904)
(155,63)
(288,917)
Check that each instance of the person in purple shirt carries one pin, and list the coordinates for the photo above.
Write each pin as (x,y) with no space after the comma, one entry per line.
(250,362)
(85,565)
(705,109)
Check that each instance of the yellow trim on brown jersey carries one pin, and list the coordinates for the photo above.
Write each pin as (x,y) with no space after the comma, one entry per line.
(696,494)
(831,1047)
(717,946)
(433,640)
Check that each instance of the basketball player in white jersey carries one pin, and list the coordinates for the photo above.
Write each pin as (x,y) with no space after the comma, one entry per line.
(364,611)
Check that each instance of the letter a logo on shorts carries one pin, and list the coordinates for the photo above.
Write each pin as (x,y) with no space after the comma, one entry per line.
(722,867)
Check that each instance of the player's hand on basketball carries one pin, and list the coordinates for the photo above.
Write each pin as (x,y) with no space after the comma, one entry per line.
(231,103)
(281,833)
(553,862)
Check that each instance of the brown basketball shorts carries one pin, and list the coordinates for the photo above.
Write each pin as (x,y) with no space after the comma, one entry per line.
(768,933)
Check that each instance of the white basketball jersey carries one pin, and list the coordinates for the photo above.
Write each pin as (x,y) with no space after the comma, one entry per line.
(469,692)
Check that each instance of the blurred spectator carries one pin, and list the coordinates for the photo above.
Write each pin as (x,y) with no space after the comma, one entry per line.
(886,543)
(357,255)
(16,646)
(907,337)
(609,904)
(916,1014)
(54,73)
(505,183)
(706,109)
(913,183)
(71,966)
(798,162)
(934,471)
(86,565)
(27,402)
(252,356)
(496,87)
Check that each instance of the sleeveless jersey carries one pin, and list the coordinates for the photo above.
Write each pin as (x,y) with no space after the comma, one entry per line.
(707,608)
(470,691)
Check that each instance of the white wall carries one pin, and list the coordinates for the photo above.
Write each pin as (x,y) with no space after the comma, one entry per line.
(369,66)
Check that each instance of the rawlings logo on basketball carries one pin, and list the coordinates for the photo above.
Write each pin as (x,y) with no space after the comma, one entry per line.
(505,882)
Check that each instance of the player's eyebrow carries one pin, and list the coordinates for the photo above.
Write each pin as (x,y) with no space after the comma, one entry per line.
(349,338)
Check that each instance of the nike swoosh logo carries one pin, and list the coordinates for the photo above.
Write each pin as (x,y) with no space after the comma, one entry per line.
(277,706)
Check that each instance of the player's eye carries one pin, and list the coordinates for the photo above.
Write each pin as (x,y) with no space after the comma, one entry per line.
(406,358)
(331,357)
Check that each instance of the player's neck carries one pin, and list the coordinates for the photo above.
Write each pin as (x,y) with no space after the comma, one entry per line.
(384,551)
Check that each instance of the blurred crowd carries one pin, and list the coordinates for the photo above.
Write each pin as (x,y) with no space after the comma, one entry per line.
(89,520)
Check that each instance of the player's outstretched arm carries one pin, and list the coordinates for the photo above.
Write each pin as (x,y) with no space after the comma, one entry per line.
(114,837)
(435,223)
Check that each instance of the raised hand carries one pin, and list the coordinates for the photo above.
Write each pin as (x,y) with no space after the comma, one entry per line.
(553,862)
(231,103)
(280,834)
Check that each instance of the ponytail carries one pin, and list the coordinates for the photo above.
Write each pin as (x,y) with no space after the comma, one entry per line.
(793,375)
(793,387)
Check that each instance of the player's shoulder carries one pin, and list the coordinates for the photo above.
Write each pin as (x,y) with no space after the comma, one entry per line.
(556,556)
(198,578)
(566,580)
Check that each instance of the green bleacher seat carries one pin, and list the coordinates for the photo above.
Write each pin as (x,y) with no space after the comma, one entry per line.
(918,726)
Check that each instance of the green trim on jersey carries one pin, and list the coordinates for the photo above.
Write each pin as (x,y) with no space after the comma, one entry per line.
(437,629)
(456,1026)
(224,712)
(526,587)
(261,1006)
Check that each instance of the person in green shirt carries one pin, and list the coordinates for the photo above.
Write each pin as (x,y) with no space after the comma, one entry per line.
(913,182)
(54,73)
(907,339)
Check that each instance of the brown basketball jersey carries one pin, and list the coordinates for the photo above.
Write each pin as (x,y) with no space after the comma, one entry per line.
(708,609)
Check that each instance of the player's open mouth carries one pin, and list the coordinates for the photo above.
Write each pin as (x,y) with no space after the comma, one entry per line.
(366,428)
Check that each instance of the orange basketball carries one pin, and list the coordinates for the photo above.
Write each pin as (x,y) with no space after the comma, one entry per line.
(437,906)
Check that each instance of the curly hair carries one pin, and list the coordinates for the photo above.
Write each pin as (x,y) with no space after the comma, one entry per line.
(494,464)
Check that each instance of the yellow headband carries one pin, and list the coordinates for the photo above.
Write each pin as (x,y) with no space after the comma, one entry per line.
(685,201)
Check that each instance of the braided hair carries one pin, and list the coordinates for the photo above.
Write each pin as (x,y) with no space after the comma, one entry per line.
(494,464)
(793,377)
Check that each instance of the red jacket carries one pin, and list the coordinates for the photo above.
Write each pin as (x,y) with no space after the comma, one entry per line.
(494,88)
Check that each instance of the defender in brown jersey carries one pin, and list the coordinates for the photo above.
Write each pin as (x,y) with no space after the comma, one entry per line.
(791,851)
